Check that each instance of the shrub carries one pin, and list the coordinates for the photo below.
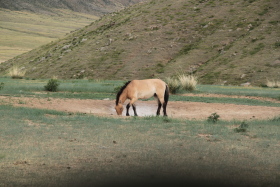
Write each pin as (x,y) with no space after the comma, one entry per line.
(173,84)
(16,73)
(1,85)
(242,128)
(52,85)
(213,118)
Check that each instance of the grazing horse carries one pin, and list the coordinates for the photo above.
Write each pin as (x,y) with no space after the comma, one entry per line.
(142,89)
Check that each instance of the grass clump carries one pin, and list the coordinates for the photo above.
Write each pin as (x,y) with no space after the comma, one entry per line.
(242,128)
(181,82)
(187,82)
(16,72)
(52,85)
(173,84)
(273,84)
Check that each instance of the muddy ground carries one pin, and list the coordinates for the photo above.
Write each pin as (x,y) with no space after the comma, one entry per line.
(175,109)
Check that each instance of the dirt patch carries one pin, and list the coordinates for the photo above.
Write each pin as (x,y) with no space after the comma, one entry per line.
(175,109)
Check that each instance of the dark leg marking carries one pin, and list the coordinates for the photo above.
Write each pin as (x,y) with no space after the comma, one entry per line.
(164,109)
(159,107)
(134,109)
(127,109)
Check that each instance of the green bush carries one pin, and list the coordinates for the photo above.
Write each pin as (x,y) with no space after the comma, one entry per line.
(242,128)
(213,118)
(52,85)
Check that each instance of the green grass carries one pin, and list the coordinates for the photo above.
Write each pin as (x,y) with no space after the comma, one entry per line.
(79,148)
(98,89)
(239,90)
(238,101)
(75,148)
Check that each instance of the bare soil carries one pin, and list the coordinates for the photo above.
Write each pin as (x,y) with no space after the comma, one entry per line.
(175,109)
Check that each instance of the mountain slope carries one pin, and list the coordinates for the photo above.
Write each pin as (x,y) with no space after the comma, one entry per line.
(95,7)
(27,24)
(219,41)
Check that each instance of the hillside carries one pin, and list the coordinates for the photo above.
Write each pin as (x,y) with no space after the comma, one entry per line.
(95,7)
(28,24)
(221,42)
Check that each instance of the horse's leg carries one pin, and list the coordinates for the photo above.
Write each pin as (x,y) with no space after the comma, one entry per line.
(127,109)
(164,109)
(163,104)
(159,107)
(132,101)
(134,109)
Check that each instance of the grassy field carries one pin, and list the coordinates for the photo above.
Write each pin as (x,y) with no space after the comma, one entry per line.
(22,31)
(46,148)
(101,89)
(51,148)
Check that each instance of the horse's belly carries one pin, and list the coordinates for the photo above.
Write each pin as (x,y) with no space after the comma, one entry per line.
(145,95)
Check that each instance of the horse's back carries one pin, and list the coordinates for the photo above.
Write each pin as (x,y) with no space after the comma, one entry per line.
(147,88)
(149,83)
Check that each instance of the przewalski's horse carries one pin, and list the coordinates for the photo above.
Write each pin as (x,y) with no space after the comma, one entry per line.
(142,89)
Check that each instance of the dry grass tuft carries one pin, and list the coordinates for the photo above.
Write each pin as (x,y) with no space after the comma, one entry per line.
(188,82)
(16,72)
(273,84)
(181,81)
(173,84)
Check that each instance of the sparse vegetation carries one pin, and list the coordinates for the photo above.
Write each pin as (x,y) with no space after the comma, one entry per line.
(258,48)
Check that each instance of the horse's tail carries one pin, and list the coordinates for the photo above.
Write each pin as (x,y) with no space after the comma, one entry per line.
(166,94)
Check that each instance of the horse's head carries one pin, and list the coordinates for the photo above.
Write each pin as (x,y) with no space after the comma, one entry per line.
(119,109)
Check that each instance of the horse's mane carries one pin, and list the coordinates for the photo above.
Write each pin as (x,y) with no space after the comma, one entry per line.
(120,92)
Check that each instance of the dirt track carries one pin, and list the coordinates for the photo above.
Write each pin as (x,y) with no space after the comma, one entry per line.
(178,109)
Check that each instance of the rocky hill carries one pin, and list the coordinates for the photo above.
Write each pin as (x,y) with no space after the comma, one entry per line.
(227,42)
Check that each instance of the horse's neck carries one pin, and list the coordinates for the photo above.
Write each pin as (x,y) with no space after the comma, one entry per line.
(123,97)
